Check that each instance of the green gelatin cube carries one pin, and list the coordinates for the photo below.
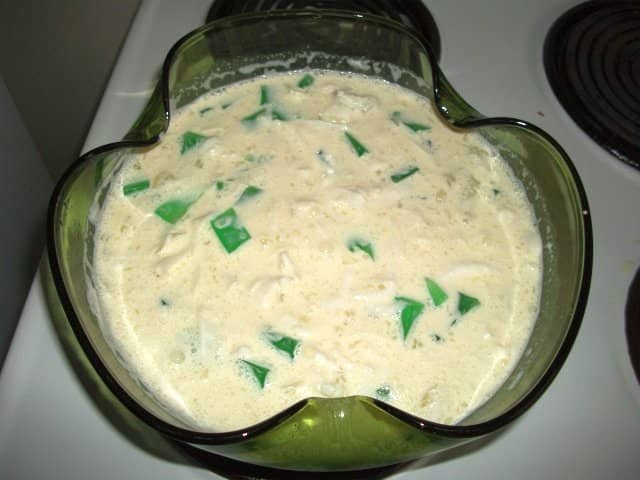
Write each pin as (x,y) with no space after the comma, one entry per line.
(306,81)
(404,173)
(358,147)
(173,210)
(248,193)
(259,158)
(383,392)
(466,303)
(229,232)
(320,155)
(411,310)
(417,127)
(362,245)
(190,140)
(135,187)
(259,372)
(264,95)
(278,115)
(397,118)
(287,345)
(438,295)
(250,120)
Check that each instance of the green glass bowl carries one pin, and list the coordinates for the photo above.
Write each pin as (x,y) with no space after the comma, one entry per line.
(319,434)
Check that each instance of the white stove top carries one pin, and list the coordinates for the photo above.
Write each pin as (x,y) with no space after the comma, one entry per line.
(587,425)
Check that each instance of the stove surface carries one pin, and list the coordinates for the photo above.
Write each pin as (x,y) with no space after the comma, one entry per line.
(592,60)
(54,425)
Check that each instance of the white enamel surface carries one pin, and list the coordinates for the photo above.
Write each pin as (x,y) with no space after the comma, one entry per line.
(585,426)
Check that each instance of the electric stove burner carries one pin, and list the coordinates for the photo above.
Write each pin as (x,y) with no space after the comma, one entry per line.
(412,13)
(592,60)
(632,327)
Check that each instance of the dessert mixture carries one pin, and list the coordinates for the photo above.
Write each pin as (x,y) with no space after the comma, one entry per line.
(316,234)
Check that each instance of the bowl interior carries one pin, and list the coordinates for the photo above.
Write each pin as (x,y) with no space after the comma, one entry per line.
(244,47)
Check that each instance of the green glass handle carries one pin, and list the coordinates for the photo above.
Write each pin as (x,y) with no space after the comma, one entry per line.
(152,122)
(450,104)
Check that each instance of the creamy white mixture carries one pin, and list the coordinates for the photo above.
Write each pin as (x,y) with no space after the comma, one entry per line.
(316,235)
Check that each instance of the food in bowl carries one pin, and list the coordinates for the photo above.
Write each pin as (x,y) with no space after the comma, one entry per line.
(316,235)
(324,434)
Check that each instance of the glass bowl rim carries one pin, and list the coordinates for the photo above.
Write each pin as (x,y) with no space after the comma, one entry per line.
(250,432)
